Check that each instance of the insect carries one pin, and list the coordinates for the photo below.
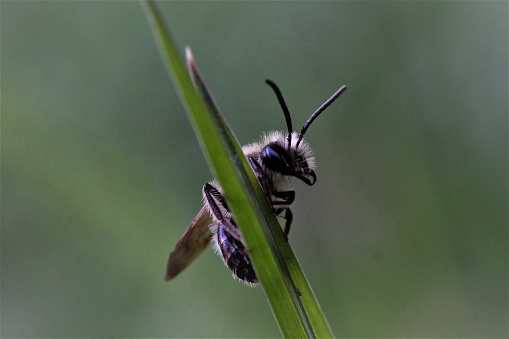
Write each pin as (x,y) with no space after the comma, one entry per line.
(276,158)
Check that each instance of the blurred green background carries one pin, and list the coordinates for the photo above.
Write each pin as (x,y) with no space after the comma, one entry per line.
(405,233)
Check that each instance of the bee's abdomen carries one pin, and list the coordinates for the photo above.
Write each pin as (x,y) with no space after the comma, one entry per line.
(235,256)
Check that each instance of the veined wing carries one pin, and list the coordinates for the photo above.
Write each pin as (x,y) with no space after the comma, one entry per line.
(194,241)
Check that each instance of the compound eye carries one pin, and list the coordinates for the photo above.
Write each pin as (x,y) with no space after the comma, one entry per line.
(274,159)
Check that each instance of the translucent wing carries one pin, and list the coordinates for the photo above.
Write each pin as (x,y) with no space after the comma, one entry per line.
(194,241)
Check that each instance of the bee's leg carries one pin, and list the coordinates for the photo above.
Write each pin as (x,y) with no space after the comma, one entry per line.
(220,210)
(287,196)
(215,200)
(288,219)
(288,222)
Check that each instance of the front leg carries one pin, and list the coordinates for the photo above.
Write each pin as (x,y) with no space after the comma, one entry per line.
(279,206)
(287,196)
(288,222)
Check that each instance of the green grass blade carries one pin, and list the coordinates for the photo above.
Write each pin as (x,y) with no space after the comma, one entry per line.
(290,296)
(310,309)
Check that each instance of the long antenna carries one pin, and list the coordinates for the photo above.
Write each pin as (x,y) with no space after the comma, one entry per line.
(285,110)
(318,111)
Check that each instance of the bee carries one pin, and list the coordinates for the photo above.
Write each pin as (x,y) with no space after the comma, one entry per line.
(276,158)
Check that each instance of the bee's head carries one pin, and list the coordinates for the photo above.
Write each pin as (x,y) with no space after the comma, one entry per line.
(293,160)
(296,161)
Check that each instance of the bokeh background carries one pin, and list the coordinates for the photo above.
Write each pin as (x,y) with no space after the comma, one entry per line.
(405,233)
